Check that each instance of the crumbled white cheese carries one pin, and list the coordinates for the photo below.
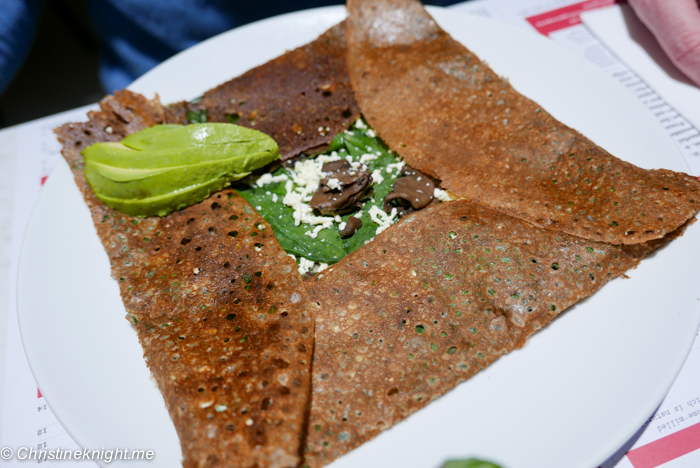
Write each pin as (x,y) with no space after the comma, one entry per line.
(381,218)
(314,234)
(305,265)
(334,184)
(302,181)
(303,213)
(269,178)
(307,175)
(398,166)
(441,195)
(365,158)
(371,133)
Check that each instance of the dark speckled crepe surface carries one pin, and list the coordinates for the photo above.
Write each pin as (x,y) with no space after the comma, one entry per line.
(292,96)
(229,329)
(219,308)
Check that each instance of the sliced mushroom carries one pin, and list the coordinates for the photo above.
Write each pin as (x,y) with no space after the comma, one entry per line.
(412,192)
(342,188)
(351,227)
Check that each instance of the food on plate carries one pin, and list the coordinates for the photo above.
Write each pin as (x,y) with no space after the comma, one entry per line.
(169,167)
(219,308)
(232,354)
(311,233)
(304,97)
(342,187)
(414,191)
(449,115)
(428,304)
(398,312)
(233,324)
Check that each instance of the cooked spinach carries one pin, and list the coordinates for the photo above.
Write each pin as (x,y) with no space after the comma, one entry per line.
(197,116)
(328,247)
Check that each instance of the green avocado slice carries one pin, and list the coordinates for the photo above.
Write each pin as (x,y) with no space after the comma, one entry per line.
(169,167)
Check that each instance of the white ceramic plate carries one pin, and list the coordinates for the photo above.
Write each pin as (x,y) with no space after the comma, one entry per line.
(571,397)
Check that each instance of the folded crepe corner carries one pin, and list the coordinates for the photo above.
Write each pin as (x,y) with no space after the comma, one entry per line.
(224,321)
(449,115)
(219,308)
(232,353)
(431,302)
(547,218)
(291,96)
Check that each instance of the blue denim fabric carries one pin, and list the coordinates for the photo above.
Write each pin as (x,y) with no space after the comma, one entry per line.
(136,35)
(18,20)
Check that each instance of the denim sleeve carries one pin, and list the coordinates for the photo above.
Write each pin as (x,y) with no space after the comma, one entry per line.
(18,20)
(137,35)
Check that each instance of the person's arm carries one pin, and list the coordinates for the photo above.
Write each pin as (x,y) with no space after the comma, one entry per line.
(676,25)
(17,25)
